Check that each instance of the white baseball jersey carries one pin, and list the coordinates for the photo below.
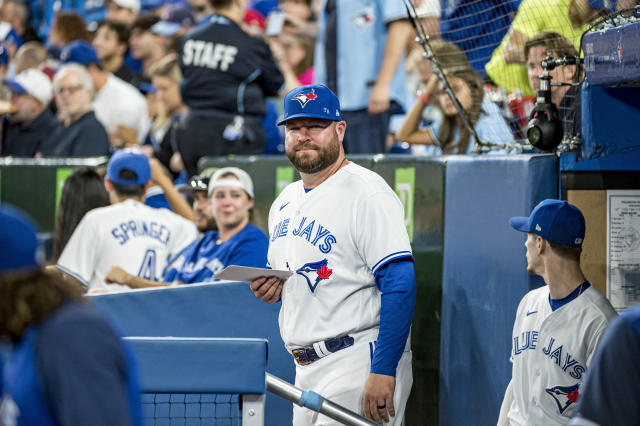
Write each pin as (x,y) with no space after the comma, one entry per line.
(334,238)
(131,235)
(551,353)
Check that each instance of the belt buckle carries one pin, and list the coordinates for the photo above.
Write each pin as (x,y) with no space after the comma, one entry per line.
(298,355)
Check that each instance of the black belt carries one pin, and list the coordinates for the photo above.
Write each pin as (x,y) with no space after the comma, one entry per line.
(306,356)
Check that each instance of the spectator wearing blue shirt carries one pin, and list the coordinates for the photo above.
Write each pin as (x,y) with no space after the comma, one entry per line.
(4,61)
(359,56)
(236,242)
(67,365)
(477,27)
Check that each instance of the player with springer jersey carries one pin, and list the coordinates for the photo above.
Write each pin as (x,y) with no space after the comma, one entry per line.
(227,75)
(557,326)
(128,233)
(235,242)
(346,311)
(67,365)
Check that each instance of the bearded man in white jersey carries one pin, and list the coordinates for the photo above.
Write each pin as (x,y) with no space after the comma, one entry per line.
(347,309)
(557,326)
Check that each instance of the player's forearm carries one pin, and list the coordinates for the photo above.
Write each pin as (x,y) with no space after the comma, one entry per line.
(397,36)
(138,282)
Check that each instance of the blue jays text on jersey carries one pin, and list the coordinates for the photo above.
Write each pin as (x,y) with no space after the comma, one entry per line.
(315,233)
(529,340)
(140,228)
(555,353)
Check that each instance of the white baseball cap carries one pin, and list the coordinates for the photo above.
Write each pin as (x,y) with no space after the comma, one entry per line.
(134,5)
(33,82)
(243,182)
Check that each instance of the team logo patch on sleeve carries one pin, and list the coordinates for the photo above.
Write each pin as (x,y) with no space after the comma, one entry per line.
(314,272)
(564,396)
(305,98)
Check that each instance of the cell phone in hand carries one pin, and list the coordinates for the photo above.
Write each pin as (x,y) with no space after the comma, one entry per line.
(275,23)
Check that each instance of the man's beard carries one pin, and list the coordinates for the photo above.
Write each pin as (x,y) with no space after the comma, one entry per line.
(210,225)
(312,164)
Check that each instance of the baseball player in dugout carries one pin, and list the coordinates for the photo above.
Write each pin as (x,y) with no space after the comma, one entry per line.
(557,326)
(346,311)
(138,238)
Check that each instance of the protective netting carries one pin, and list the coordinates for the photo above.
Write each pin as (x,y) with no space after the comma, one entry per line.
(174,409)
(504,42)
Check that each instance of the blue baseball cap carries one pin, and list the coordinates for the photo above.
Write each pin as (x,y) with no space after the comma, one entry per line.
(146,88)
(126,159)
(173,19)
(554,220)
(313,101)
(80,52)
(20,249)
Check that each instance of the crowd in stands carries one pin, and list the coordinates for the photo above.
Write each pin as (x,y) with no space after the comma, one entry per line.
(193,78)
(182,79)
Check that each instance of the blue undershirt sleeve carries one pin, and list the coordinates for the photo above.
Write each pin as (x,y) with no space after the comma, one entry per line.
(397,282)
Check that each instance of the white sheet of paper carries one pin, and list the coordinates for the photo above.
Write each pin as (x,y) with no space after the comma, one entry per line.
(246,273)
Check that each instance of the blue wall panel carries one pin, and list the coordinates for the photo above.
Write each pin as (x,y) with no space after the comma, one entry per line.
(484,277)
(610,117)
(206,310)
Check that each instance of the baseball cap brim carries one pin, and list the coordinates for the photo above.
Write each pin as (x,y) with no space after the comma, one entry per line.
(15,86)
(165,28)
(185,189)
(307,115)
(520,223)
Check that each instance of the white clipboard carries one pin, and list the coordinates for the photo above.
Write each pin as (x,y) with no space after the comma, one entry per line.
(247,273)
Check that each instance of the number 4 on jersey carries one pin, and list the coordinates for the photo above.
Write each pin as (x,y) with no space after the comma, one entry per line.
(148,266)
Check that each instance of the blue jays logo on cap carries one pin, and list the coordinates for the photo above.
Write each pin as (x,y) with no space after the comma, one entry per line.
(311,101)
(303,98)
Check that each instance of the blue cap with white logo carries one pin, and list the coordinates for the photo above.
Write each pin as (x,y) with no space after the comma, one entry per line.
(20,249)
(126,159)
(554,220)
(313,101)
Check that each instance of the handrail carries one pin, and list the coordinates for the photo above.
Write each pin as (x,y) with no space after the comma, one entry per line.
(315,402)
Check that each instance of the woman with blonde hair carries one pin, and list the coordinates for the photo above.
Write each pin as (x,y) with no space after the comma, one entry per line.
(166,77)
